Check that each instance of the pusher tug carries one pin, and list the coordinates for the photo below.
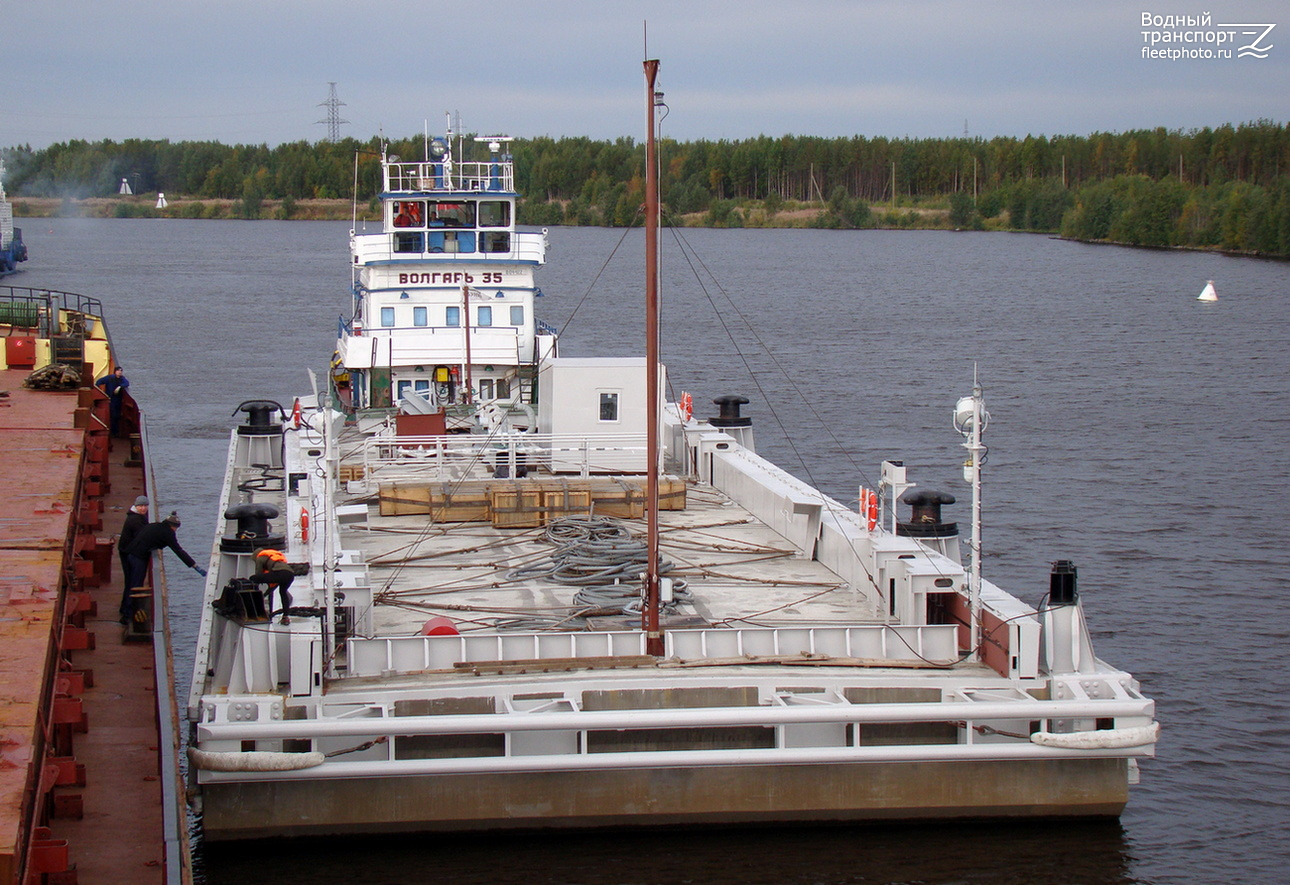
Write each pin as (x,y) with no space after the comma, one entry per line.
(502,617)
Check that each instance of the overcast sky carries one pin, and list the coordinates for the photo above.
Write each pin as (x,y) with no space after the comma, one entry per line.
(238,71)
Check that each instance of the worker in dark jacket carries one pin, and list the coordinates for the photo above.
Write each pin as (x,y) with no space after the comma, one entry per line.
(272,570)
(115,386)
(136,518)
(154,536)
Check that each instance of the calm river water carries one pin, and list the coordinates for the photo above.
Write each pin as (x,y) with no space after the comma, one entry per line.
(1139,432)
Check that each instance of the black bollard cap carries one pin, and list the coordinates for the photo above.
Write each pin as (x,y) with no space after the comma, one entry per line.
(1061,583)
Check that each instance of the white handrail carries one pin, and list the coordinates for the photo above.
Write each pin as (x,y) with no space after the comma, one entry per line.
(442,458)
(674,759)
(601,720)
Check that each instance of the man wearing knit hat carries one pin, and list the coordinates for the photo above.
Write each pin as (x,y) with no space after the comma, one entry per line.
(135,520)
(154,536)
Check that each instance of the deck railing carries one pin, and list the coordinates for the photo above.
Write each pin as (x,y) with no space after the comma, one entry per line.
(554,734)
(932,644)
(495,176)
(49,312)
(409,345)
(394,246)
(457,456)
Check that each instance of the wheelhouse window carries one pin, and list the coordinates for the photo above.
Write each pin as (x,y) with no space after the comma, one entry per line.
(387,317)
(409,213)
(452,316)
(608,406)
(485,316)
(494,213)
(451,214)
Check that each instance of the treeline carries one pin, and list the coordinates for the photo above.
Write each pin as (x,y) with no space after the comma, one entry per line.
(1232,215)
(1222,187)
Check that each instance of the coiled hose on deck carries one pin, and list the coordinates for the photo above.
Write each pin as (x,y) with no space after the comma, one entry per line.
(598,555)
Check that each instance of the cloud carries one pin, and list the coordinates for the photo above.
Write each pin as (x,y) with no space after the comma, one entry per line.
(257,71)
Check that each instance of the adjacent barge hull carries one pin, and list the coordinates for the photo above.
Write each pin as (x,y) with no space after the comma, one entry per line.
(87,718)
(669,796)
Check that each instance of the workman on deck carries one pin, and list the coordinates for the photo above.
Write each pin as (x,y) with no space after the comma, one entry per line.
(115,386)
(154,536)
(272,570)
(136,519)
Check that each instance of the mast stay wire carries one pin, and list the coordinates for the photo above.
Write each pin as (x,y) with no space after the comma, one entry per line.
(691,256)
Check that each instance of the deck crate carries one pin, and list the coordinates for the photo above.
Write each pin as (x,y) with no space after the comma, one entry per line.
(516,505)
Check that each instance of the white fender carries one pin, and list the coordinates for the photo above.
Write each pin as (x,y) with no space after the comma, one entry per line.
(1109,739)
(257,760)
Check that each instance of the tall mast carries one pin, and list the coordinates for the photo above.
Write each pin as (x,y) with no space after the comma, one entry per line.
(650,615)
(465,309)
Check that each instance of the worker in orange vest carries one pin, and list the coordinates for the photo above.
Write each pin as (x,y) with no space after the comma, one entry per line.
(273,570)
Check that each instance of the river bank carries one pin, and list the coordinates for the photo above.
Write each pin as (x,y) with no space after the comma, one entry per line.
(751,214)
(145,206)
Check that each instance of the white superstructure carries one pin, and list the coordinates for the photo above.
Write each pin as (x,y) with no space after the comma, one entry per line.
(444,294)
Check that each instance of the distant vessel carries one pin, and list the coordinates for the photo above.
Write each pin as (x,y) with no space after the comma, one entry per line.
(161,201)
(523,624)
(12,248)
(1208,293)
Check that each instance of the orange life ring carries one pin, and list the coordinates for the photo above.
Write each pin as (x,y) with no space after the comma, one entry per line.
(872,515)
(295,414)
(304,525)
(687,407)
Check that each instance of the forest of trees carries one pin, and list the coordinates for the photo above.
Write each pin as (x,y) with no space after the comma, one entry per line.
(1226,187)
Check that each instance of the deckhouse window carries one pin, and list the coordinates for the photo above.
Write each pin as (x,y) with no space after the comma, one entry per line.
(495,240)
(419,317)
(608,406)
(494,213)
(485,316)
(419,387)
(452,241)
(452,316)
(407,241)
(387,316)
(517,314)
